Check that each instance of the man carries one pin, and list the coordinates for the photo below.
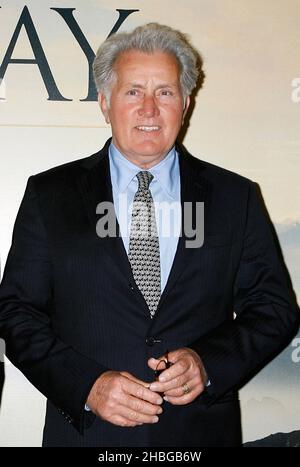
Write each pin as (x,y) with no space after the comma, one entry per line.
(89,317)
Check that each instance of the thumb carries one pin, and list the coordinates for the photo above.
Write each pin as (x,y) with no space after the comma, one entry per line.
(154,363)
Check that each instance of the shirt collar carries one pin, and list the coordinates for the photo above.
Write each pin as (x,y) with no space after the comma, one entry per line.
(123,171)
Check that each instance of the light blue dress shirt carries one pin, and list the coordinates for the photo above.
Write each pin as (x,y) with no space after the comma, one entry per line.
(165,190)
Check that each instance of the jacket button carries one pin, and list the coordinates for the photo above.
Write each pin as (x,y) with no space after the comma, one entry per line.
(152,340)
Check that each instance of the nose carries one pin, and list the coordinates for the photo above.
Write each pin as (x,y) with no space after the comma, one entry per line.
(148,107)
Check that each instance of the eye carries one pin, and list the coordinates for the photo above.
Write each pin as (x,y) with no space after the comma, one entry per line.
(132,92)
(166,92)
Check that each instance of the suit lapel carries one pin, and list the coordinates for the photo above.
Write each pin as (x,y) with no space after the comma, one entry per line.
(194,188)
(95,187)
(94,184)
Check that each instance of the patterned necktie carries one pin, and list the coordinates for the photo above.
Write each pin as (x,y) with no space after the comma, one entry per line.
(144,244)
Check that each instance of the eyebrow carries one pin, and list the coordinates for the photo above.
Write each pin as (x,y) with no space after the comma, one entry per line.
(159,86)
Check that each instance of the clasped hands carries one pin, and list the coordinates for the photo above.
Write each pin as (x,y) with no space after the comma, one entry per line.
(122,399)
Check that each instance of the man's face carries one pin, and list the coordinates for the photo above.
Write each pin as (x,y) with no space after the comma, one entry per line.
(146,106)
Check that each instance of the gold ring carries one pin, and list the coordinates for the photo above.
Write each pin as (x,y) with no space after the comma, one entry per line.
(185,388)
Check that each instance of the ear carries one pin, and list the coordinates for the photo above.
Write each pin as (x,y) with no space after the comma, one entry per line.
(186,106)
(103,106)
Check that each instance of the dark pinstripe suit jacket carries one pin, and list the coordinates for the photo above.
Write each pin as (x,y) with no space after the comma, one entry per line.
(69,307)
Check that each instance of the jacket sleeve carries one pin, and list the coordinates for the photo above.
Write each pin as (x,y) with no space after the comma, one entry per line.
(267,315)
(56,369)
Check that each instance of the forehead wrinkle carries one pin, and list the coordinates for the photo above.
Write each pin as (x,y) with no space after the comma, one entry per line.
(157,86)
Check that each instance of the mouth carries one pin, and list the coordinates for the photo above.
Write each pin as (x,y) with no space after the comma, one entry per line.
(148,128)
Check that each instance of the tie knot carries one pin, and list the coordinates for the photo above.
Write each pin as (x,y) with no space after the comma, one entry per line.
(144,178)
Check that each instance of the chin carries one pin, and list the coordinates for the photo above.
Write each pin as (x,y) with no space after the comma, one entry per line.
(148,148)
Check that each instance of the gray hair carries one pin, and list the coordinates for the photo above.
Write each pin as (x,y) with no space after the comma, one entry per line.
(148,38)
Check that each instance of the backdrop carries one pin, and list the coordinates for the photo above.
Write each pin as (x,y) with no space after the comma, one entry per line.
(246,119)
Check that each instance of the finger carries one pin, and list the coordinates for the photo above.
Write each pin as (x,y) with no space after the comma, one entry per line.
(194,391)
(154,362)
(174,383)
(177,392)
(141,406)
(136,417)
(124,422)
(175,371)
(172,357)
(193,384)
(182,400)
(133,378)
(138,390)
